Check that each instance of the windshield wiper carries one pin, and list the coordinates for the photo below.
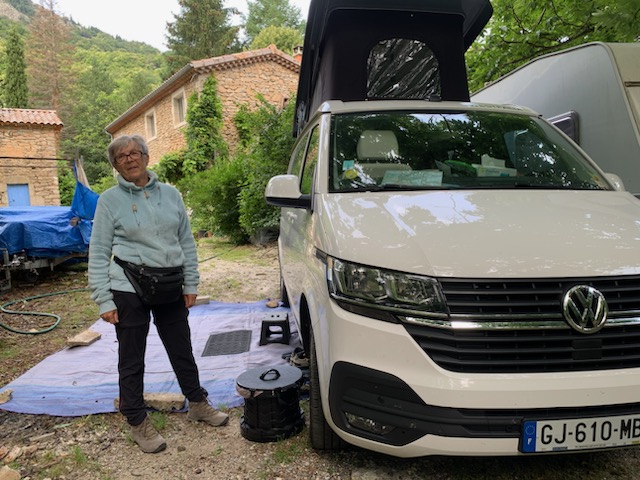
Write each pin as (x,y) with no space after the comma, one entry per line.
(400,186)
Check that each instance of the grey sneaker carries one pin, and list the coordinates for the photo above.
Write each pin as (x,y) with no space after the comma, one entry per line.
(149,440)
(203,412)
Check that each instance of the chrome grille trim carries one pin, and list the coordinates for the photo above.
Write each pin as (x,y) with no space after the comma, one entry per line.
(469,324)
(517,326)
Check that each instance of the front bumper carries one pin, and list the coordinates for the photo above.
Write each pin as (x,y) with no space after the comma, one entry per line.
(374,370)
(386,400)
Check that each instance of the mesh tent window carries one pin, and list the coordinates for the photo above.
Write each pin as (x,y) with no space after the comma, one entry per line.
(402,68)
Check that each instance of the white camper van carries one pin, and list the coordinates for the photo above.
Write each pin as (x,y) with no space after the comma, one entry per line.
(592,93)
(464,279)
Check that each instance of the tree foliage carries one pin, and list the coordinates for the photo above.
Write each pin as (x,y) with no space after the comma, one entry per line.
(521,30)
(23,6)
(266,13)
(16,93)
(267,144)
(204,126)
(202,29)
(49,55)
(285,38)
(228,198)
(213,199)
(106,84)
(205,143)
(66,183)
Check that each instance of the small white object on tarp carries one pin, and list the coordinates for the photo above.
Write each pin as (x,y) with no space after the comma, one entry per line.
(272,403)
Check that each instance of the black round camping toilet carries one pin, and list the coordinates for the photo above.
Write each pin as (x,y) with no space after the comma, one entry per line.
(271,403)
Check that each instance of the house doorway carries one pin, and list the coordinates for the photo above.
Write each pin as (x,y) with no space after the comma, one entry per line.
(18,195)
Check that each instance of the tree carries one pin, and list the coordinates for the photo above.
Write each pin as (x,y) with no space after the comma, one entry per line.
(521,30)
(49,59)
(202,29)
(93,110)
(204,126)
(265,13)
(15,78)
(285,38)
(23,6)
(266,143)
(205,144)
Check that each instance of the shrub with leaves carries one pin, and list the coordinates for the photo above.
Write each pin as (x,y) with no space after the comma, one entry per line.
(66,183)
(203,134)
(266,143)
(169,168)
(212,196)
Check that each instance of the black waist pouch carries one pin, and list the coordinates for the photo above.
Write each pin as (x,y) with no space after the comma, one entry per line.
(154,285)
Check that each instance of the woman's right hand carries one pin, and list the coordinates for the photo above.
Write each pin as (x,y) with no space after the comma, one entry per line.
(111,317)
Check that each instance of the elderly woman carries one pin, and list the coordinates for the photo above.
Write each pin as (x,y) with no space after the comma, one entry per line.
(142,221)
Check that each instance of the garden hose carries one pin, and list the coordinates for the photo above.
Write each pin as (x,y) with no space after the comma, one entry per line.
(57,317)
(218,255)
(16,312)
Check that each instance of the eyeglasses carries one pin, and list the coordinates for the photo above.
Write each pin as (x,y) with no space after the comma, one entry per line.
(134,155)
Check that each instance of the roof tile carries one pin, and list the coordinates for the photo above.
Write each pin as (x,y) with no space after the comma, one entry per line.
(29,116)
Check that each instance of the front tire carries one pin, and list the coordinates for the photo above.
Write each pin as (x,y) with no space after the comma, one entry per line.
(321,435)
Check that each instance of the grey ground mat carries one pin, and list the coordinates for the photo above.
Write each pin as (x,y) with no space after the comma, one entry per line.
(228,343)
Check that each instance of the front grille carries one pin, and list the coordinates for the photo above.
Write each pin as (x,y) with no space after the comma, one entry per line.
(535,297)
(534,342)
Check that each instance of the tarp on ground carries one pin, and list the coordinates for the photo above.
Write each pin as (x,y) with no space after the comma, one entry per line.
(84,380)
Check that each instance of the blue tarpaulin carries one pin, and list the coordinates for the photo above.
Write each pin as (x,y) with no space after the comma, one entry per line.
(84,202)
(48,232)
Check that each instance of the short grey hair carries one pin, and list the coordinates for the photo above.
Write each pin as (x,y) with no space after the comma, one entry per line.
(119,143)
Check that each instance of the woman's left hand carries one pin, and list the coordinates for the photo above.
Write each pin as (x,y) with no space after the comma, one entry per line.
(189,300)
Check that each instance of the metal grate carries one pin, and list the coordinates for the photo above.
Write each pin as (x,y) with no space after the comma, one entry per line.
(534,296)
(228,343)
(529,351)
(533,343)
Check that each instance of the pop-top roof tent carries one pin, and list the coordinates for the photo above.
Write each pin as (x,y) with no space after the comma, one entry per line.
(391,49)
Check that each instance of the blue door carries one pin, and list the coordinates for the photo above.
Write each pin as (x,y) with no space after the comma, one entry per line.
(18,195)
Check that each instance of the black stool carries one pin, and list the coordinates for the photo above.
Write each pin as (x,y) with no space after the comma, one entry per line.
(275,329)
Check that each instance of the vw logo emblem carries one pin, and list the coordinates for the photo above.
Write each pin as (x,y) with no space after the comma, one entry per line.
(585,309)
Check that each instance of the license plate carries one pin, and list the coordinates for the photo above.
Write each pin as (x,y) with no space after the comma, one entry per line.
(579,434)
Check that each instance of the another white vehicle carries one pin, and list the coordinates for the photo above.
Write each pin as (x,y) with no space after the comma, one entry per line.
(465,280)
(591,92)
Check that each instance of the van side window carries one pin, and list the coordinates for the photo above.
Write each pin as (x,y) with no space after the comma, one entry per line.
(295,165)
(402,68)
(306,181)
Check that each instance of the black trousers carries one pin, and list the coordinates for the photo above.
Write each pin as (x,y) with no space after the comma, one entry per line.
(171,321)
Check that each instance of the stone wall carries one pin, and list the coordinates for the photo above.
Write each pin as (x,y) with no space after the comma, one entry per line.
(241,85)
(27,156)
(236,86)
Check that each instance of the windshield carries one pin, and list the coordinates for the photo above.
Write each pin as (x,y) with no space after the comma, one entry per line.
(417,150)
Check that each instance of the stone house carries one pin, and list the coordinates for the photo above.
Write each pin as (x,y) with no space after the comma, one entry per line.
(29,142)
(160,117)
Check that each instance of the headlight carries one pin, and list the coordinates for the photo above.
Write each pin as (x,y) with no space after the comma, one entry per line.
(384,289)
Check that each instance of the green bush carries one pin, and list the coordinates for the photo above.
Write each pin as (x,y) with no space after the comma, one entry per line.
(212,196)
(266,141)
(104,183)
(169,168)
(66,183)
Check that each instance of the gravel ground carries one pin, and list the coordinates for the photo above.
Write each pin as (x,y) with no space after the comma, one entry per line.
(40,447)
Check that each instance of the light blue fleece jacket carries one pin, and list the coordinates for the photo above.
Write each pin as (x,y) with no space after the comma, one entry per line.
(143,225)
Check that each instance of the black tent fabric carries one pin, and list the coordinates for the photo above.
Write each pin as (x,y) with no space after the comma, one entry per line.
(341,35)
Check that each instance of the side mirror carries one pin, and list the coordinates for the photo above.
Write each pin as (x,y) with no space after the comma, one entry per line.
(284,191)
(616,181)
